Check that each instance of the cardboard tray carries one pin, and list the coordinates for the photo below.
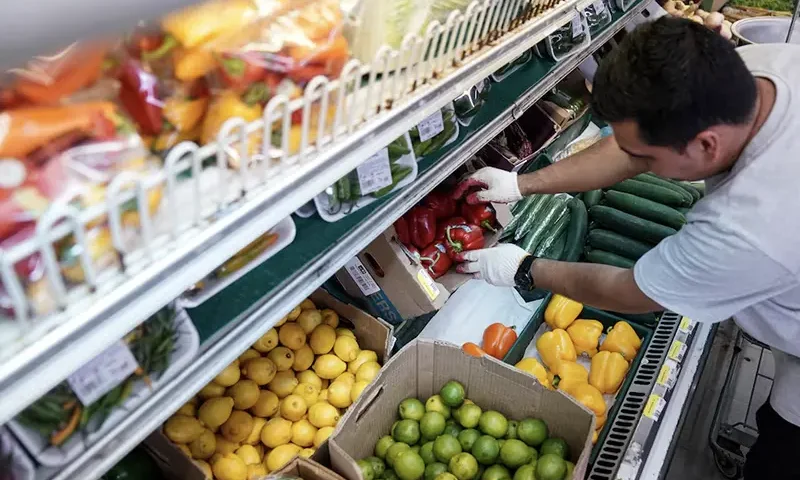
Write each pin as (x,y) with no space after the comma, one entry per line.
(306,469)
(422,368)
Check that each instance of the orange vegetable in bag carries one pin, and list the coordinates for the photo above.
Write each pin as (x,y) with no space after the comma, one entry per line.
(334,50)
(82,72)
(498,339)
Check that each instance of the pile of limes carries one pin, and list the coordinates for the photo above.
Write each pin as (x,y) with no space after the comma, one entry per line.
(451,438)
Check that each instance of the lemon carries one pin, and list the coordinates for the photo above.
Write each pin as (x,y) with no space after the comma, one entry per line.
(244,393)
(282,357)
(211,390)
(185,449)
(325,383)
(259,370)
(189,409)
(345,332)
(346,377)
(229,467)
(323,395)
(283,384)
(266,405)
(358,387)
(329,317)
(309,320)
(267,342)
(281,455)
(183,429)
(255,472)
(205,468)
(346,348)
(224,446)
(292,336)
(363,357)
(323,414)
(303,358)
(306,452)
(238,426)
(329,366)
(303,433)
(215,411)
(309,392)
(248,454)
(292,316)
(322,339)
(307,304)
(368,371)
(229,375)
(322,435)
(247,355)
(308,376)
(203,446)
(339,394)
(293,407)
(276,432)
(255,433)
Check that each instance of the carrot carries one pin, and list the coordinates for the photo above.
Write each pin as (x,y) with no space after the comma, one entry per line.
(58,437)
(81,73)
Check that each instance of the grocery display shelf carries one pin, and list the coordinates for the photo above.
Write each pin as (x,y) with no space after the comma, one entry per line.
(232,320)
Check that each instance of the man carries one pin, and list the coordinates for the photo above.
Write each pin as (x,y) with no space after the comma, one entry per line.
(684,104)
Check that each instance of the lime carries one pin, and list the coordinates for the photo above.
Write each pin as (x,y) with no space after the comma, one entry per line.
(525,472)
(415,449)
(432,425)
(445,476)
(496,472)
(570,470)
(481,469)
(534,455)
(377,466)
(445,447)
(486,450)
(411,409)
(468,415)
(390,475)
(366,469)
(512,429)
(406,431)
(383,445)
(409,466)
(452,394)
(514,453)
(463,466)
(435,404)
(426,452)
(394,451)
(434,469)
(556,446)
(452,428)
(551,467)
(532,431)
(467,438)
(493,423)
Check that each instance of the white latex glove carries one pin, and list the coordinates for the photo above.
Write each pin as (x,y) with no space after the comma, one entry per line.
(498,186)
(497,265)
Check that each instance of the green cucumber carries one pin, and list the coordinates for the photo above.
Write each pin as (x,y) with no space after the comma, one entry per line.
(531,215)
(576,231)
(592,197)
(518,211)
(654,179)
(549,216)
(522,204)
(647,209)
(556,250)
(684,210)
(555,231)
(613,242)
(700,187)
(656,193)
(608,258)
(695,193)
(629,225)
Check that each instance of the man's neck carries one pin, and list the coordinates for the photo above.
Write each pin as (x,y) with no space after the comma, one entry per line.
(765,101)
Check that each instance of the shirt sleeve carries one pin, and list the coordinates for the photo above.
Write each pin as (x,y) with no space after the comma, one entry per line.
(709,274)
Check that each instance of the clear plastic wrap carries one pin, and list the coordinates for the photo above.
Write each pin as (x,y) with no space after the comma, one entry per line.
(377,23)
(598,16)
(435,132)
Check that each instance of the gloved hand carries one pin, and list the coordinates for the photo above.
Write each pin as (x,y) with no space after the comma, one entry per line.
(497,265)
(499,186)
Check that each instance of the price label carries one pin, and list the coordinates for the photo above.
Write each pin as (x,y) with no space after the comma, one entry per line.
(428,285)
(654,406)
(375,173)
(686,326)
(431,126)
(103,373)
(599,6)
(668,375)
(677,351)
(361,276)
(577,26)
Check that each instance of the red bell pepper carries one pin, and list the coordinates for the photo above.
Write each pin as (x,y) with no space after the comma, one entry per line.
(421,226)
(401,229)
(442,204)
(435,259)
(441,228)
(482,214)
(139,95)
(240,71)
(461,238)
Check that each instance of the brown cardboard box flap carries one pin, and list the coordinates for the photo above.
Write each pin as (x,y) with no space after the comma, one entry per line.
(304,468)
(170,459)
(421,368)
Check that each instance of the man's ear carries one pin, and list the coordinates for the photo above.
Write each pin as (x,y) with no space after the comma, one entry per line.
(707,145)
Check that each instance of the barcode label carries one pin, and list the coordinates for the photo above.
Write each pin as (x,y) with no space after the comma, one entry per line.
(686,326)
(431,126)
(599,6)
(428,285)
(577,26)
(668,375)
(103,373)
(677,351)
(655,405)
(375,173)
(361,276)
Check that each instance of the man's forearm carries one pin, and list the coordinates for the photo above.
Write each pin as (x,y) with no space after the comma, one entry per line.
(601,165)
(601,286)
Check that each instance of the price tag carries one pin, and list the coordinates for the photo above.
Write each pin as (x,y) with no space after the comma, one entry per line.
(361,276)
(599,6)
(431,126)
(686,326)
(677,351)
(428,285)
(103,373)
(375,173)
(668,375)
(654,406)
(577,26)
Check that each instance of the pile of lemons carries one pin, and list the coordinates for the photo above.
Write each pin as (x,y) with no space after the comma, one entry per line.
(281,398)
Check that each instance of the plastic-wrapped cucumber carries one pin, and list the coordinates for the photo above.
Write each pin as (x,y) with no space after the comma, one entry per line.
(518,210)
(539,205)
(556,209)
(556,230)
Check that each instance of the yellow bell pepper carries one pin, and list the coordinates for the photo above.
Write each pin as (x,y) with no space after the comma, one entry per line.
(533,367)
(226,106)
(555,346)
(206,21)
(622,339)
(185,114)
(191,64)
(561,311)
(601,421)
(567,372)
(588,396)
(608,371)
(585,334)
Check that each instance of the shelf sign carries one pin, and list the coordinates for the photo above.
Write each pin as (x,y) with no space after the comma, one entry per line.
(577,25)
(361,276)
(686,326)
(668,376)
(103,373)
(375,173)
(431,126)
(677,351)
(654,407)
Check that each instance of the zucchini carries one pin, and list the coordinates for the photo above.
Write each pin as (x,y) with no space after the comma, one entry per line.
(592,197)
(613,242)
(576,231)
(555,210)
(552,234)
(695,193)
(647,209)
(654,179)
(656,193)
(629,225)
(608,258)
(530,217)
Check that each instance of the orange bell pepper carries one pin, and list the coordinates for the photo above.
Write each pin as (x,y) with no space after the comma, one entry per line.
(80,73)
(498,339)
(472,349)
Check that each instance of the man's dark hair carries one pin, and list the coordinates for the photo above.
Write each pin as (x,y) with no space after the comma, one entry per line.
(675,78)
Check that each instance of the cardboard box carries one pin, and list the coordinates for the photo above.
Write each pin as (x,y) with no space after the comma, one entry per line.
(170,459)
(422,368)
(306,469)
